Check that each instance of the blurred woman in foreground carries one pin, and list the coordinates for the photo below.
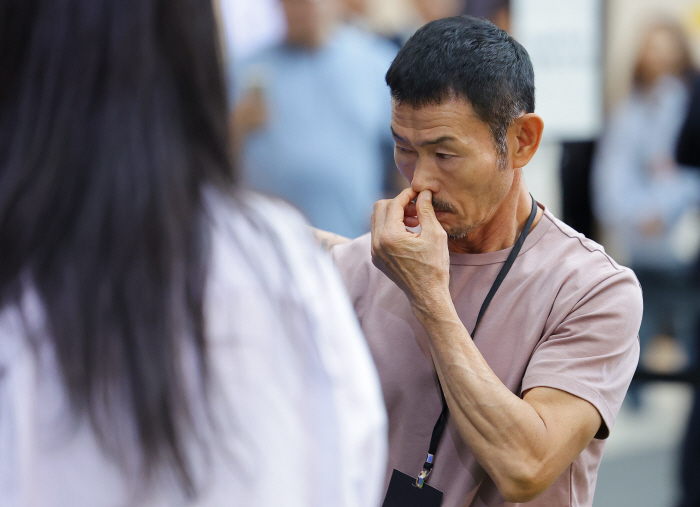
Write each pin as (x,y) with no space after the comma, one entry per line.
(164,340)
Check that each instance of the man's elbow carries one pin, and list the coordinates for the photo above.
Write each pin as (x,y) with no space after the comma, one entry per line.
(524,484)
(519,494)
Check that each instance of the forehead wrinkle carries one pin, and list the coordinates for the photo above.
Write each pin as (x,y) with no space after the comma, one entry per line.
(451,124)
(456,139)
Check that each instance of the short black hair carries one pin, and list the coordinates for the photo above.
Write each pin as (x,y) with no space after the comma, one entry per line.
(468,58)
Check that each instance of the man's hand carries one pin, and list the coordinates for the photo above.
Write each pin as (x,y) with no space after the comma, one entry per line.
(419,263)
(326,239)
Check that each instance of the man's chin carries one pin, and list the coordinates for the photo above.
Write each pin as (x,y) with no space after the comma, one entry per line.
(454,232)
(456,236)
(457,233)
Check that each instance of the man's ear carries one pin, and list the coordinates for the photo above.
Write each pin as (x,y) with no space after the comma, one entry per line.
(524,136)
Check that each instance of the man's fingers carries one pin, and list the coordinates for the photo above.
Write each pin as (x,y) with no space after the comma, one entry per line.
(410,210)
(392,216)
(424,209)
(405,197)
(396,209)
(378,216)
(410,218)
(411,222)
(378,222)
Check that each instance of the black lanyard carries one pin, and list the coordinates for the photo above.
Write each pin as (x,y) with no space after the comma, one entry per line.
(439,427)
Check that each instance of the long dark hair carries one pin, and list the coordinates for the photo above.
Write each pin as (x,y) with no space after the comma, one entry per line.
(112,119)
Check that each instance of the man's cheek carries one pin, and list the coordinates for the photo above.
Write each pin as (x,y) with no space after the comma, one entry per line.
(405,169)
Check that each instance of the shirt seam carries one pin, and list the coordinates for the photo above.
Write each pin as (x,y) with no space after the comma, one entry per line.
(610,260)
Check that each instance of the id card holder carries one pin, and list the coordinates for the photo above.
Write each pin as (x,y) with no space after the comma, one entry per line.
(403,492)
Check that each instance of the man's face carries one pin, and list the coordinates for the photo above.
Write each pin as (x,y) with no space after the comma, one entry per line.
(446,149)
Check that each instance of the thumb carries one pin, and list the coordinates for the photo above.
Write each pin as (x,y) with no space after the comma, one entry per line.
(425,211)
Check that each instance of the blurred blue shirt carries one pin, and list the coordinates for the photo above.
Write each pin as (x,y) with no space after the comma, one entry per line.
(630,190)
(327,141)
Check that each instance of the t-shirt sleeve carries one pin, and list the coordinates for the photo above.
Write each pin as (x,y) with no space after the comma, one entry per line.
(353,262)
(593,352)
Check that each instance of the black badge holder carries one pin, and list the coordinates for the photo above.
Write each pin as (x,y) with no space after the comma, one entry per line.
(404,490)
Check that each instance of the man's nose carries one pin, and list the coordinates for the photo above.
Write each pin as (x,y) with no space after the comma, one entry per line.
(424,176)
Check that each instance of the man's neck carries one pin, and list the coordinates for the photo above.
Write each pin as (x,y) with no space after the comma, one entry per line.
(501,231)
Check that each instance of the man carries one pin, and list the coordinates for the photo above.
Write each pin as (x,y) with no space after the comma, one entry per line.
(311,116)
(534,392)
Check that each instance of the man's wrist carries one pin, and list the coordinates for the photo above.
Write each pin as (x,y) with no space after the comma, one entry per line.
(433,306)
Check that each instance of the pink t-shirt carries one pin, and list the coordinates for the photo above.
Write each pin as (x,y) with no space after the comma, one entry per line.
(566,316)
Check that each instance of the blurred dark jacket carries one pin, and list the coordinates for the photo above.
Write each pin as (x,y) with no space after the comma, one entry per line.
(688,148)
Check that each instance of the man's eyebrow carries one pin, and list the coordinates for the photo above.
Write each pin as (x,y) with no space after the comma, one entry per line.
(430,142)
(393,133)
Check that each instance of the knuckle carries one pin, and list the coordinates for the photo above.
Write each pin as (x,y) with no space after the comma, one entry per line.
(379,205)
(376,244)
(384,242)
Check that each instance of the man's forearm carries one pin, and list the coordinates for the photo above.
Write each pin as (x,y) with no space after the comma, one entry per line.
(506,434)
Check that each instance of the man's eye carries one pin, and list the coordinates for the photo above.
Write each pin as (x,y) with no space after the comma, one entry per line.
(443,156)
(402,150)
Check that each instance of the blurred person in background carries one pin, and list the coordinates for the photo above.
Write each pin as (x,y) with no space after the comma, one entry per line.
(311,117)
(427,11)
(643,199)
(421,12)
(250,26)
(165,339)
(355,12)
(498,11)
(430,10)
